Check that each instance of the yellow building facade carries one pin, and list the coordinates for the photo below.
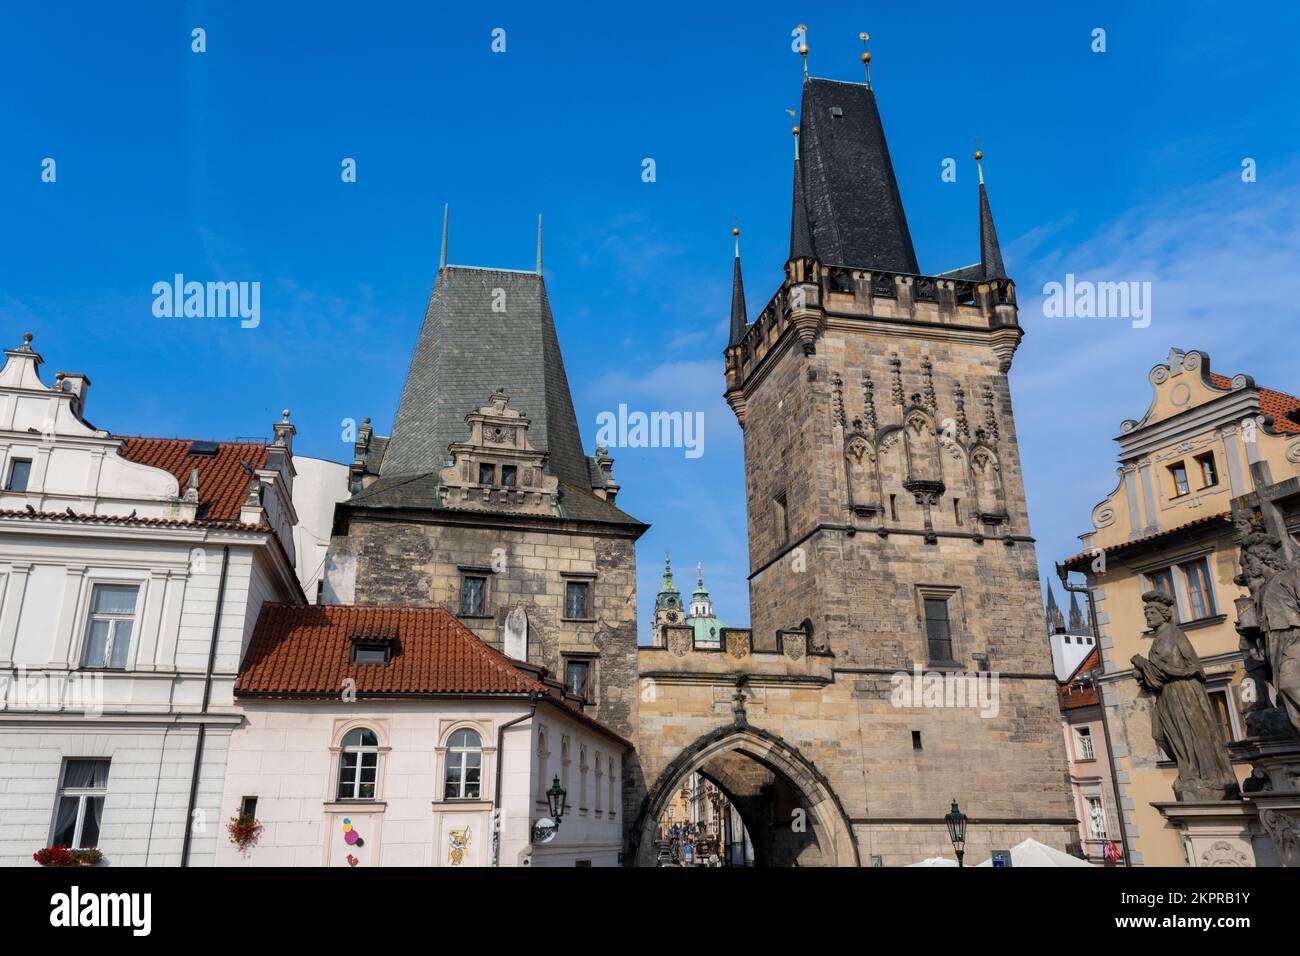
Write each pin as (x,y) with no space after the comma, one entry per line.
(1205,439)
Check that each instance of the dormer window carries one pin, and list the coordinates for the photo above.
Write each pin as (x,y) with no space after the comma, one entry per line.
(487,474)
(372,650)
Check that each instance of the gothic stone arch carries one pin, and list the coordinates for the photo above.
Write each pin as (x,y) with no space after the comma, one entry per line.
(731,756)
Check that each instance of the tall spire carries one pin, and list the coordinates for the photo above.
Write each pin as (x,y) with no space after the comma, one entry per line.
(701,603)
(739,315)
(1054,617)
(1077,621)
(990,251)
(539,243)
(801,246)
(442,259)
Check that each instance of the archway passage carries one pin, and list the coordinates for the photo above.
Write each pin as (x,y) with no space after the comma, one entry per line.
(791,815)
(703,826)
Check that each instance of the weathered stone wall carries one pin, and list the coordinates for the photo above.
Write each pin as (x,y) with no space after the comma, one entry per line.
(421,563)
(857,576)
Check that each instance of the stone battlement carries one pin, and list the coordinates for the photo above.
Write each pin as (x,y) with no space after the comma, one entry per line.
(789,653)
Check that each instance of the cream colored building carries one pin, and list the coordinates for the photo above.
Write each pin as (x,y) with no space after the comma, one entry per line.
(1204,440)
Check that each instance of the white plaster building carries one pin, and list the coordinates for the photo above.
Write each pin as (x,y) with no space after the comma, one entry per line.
(387,736)
(132,571)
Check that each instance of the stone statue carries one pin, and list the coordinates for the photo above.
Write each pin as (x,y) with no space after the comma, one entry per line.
(1274,632)
(1182,723)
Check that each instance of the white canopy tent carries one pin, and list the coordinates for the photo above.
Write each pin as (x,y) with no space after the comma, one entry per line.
(935,861)
(1033,853)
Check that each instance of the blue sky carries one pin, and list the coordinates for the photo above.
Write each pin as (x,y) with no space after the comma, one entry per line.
(1123,165)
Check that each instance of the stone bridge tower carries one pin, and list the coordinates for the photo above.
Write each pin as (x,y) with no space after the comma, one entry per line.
(888,535)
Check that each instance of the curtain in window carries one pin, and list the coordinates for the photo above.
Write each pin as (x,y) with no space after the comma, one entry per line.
(97,643)
(90,822)
(65,821)
(86,774)
(111,599)
(121,643)
(575,604)
(471,600)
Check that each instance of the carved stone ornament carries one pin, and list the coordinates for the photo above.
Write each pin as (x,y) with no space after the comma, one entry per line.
(1285,833)
(738,644)
(1223,853)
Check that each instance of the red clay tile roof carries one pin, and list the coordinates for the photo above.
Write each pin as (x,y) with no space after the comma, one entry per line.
(1276,404)
(1078,561)
(222,479)
(306,651)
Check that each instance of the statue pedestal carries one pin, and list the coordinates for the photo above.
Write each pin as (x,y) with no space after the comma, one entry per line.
(1274,790)
(1221,833)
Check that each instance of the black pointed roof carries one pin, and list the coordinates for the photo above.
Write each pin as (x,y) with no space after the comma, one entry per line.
(739,315)
(850,197)
(801,246)
(990,251)
(466,350)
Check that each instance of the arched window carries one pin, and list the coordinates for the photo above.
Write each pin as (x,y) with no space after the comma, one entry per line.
(358,765)
(464,766)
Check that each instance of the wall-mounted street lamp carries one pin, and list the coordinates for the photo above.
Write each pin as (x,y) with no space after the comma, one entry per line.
(544,831)
(957,821)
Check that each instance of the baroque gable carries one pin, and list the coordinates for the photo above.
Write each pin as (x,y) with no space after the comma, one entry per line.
(496,468)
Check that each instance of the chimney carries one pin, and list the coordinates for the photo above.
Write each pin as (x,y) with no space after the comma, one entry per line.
(77,385)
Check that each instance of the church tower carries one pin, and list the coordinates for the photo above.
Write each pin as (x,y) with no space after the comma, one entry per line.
(885,501)
(484,501)
(668,602)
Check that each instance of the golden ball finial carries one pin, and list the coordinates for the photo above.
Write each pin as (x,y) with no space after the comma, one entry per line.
(794,130)
(979,154)
(866,57)
(803,50)
(735,231)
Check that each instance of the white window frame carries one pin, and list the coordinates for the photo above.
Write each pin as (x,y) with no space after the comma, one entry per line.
(1223,685)
(1084,749)
(1177,569)
(91,616)
(454,752)
(1090,820)
(362,751)
(82,794)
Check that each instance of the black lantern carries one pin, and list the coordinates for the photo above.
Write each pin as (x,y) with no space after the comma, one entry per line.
(956,821)
(555,801)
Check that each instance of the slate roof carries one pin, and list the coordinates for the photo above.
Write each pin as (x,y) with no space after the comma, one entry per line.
(223,482)
(465,352)
(990,251)
(850,196)
(739,314)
